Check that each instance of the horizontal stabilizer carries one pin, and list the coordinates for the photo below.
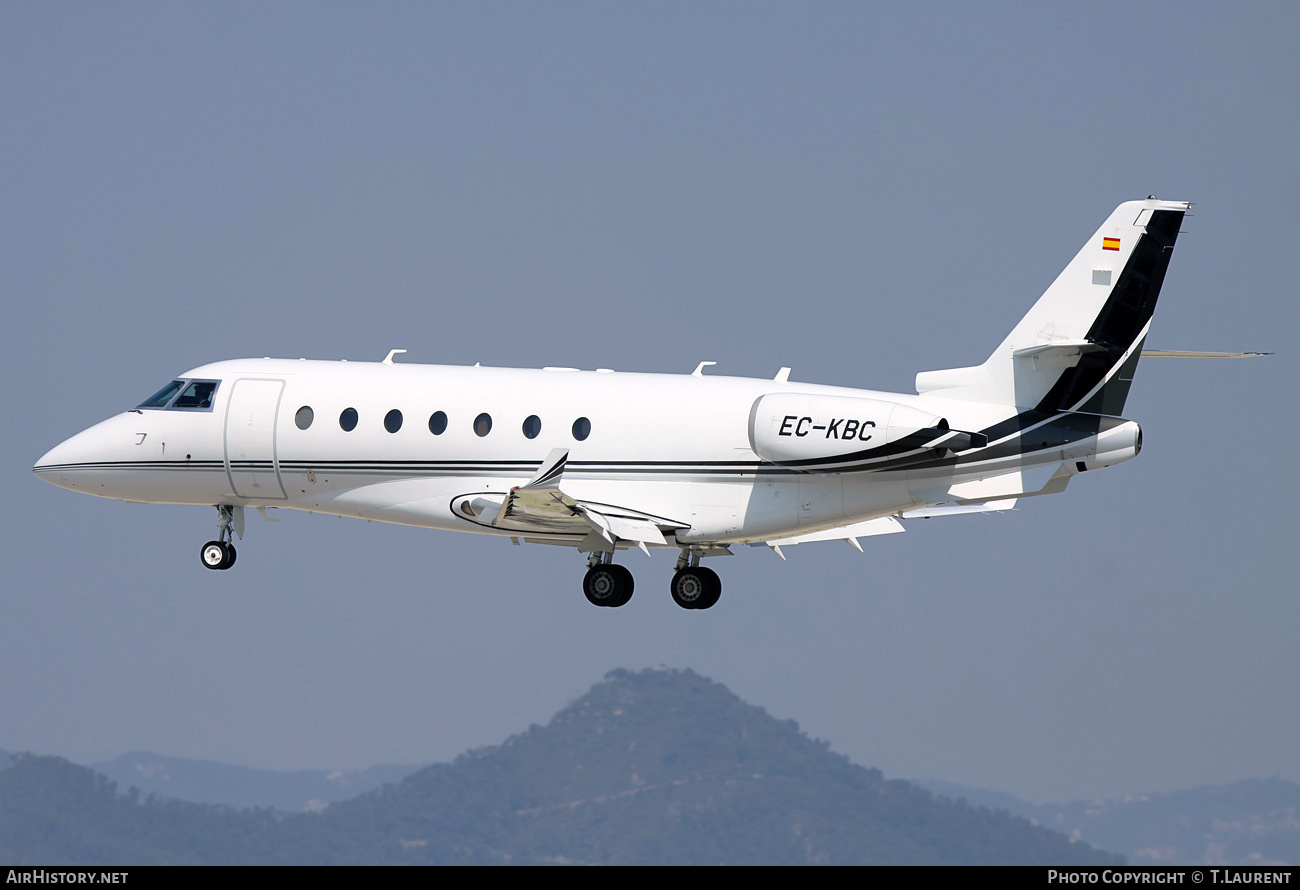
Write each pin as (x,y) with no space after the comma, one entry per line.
(1057,355)
(1075,347)
(1181,353)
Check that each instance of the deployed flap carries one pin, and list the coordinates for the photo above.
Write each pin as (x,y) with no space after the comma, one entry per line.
(1006,485)
(958,509)
(539,495)
(549,508)
(629,528)
(886,525)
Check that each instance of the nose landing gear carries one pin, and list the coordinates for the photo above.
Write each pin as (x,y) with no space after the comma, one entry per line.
(220,554)
(217,555)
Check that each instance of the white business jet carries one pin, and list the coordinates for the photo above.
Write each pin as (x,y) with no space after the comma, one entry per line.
(604,461)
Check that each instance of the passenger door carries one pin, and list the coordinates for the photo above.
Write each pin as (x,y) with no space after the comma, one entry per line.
(251,462)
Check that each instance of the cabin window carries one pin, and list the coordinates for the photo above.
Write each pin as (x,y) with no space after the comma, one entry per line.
(348,419)
(532,426)
(581,428)
(482,425)
(438,423)
(304,417)
(393,421)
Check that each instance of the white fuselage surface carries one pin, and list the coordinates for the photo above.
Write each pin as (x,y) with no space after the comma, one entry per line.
(605,460)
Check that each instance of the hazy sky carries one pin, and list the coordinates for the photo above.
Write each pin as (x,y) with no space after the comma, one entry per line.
(857,191)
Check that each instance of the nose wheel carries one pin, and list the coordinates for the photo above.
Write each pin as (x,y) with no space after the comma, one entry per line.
(217,555)
(220,554)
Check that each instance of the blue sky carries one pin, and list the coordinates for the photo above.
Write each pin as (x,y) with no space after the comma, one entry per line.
(859,192)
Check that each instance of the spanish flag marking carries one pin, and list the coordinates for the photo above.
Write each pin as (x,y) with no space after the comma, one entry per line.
(1110,244)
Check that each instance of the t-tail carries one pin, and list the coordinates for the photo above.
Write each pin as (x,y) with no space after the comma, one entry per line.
(1078,347)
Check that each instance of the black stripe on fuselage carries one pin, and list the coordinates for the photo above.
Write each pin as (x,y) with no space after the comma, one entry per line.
(1027,432)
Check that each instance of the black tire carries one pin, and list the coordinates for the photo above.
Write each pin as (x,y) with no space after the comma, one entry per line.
(213,555)
(626,585)
(607,585)
(230,555)
(696,588)
(712,591)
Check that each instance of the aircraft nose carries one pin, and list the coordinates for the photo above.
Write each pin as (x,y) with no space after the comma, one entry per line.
(50,466)
(76,453)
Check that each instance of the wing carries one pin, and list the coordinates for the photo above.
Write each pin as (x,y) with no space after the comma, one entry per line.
(886,525)
(541,506)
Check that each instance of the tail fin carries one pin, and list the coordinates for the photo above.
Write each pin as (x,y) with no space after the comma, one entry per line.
(1077,348)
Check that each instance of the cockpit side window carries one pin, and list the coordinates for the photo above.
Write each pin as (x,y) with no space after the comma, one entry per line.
(197,395)
(162,397)
(194,395)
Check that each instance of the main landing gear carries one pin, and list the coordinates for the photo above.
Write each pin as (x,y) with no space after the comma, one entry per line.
(692,587)
(220,554)
(606,584)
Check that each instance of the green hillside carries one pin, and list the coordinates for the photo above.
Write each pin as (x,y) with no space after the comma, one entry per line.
(660,766)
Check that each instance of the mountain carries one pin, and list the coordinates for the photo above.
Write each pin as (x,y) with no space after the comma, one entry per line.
(667,766)
(660,766)
(1251,822)
(203,781)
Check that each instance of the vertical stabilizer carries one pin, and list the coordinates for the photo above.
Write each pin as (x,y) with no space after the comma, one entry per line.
(1077,348)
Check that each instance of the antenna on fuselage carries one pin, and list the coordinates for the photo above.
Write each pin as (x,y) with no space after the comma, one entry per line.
(391,353)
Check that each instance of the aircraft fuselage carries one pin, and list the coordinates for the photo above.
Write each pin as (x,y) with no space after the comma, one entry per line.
(675,446)
(606,460)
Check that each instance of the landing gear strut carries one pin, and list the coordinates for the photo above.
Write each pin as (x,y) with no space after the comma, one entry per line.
(220,554)
(606,584)
(695,587)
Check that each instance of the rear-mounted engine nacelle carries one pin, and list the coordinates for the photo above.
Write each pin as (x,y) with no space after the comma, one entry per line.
(1114,445)
(789,428)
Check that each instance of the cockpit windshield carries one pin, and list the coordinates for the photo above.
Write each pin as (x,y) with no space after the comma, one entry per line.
(162,397)
(183,395)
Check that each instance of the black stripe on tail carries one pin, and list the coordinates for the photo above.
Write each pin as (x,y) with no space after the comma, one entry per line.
(1131,304)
